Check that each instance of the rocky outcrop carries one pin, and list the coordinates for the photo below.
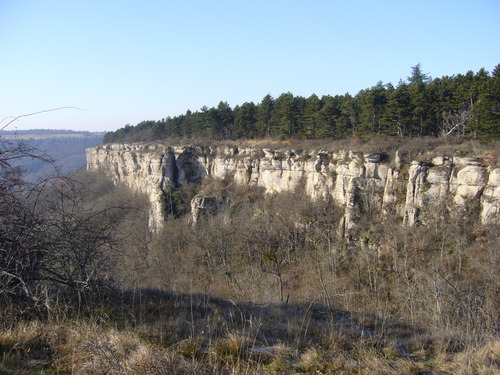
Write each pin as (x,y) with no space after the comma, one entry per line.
(358,182)
(202,205)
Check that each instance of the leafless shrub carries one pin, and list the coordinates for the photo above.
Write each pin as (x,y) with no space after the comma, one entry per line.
(56,245)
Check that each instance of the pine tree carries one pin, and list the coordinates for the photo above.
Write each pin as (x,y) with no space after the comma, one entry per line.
(245,120)
(284,118)
(486,124)
(264,115)
(311,118)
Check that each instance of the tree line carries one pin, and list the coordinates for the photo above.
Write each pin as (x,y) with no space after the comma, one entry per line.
(463,104)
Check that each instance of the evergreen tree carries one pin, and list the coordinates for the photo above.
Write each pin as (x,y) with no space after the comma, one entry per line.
(486,110)
(398,113)
(457,105)
(198,123)
(224,119)
(300,106)
(417,76)
(187,128)
(496,72)
(245,120)
(371,104)
(311,118)
(284,116)
(158,130)
(206,124)
(330,124)
(350,114)
(264,114)
(419,102)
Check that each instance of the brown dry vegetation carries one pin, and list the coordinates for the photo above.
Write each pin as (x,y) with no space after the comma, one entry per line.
(194,334)
(269,286)
(414,147)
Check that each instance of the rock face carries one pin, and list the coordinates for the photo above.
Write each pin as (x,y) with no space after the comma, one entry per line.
(357,182)
(201,205)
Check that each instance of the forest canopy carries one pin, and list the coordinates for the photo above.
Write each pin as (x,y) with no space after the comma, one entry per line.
(459,105)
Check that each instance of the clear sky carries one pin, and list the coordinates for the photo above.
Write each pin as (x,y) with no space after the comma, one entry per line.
(127,61)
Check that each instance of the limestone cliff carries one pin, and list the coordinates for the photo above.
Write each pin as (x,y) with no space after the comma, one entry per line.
(357,182)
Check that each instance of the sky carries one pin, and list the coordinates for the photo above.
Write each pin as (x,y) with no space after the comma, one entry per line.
(108,63)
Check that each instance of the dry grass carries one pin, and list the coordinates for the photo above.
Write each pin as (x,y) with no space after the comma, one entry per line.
(420,148)
(200,335)
(154,332)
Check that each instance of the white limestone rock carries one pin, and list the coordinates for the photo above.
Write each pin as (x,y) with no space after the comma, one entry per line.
(348,177)
(472,175)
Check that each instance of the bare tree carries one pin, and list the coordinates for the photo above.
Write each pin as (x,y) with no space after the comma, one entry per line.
(455,123)
(53,245)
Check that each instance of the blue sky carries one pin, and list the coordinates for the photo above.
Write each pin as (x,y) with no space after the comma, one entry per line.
(128,61)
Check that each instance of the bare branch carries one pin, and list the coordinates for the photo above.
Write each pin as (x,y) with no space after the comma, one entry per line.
(35,113)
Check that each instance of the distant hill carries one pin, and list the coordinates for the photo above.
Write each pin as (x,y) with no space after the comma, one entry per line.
(65,147)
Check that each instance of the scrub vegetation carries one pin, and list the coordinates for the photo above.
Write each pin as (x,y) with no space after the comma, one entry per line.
(264,284)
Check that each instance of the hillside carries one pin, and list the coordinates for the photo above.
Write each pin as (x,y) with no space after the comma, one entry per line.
(274,258)
(65,147)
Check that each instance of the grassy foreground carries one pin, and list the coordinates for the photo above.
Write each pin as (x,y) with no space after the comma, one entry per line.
(163,333)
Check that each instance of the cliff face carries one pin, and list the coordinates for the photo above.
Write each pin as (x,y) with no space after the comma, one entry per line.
(357,182)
